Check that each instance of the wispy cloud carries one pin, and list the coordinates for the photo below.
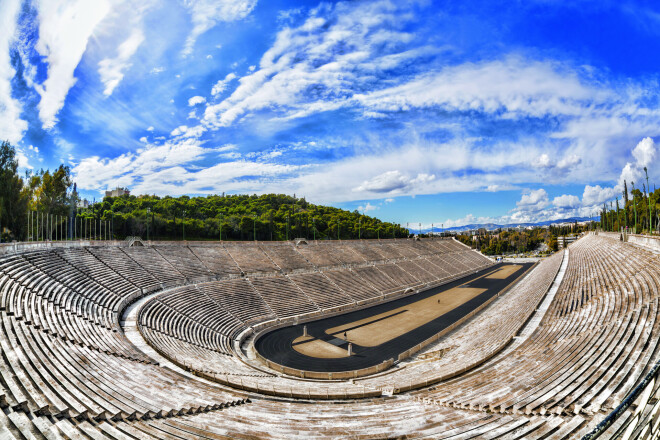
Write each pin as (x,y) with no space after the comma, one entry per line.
(169,169)
(206,13)
(12,126)
(320,64)
(112,70)
(65,27)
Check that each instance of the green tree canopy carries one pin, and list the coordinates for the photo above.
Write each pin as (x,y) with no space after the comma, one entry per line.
(237,217)
(13,196)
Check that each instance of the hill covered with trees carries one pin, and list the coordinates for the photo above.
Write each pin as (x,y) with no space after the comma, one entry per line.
(236,217)
(44,205)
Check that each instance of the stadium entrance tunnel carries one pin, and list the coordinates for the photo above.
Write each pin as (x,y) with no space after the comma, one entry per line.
(369,340)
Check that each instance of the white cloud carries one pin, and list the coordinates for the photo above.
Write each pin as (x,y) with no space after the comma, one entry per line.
(533,201)
(367,208)
(596,195)
(195,100)
(112,70)
(553,169)
(206,13)
(644,152)
(396,169)
(514,85)
(22,159)
(221,85)
(629,173)
(231,155)
(566,201)
(534,205)
(65,27)
(150,128)
(569,162)
(188,132)
(181,129)
(94,172)
(12,126)
(168,169)
(157,70)
(316,66)
(543,161)
(385,183)
(337,56)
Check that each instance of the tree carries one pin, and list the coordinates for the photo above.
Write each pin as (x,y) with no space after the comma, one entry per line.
(13,196)
(50,198)
(52,192)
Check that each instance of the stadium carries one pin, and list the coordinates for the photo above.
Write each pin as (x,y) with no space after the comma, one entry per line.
(136,339)
(329,219)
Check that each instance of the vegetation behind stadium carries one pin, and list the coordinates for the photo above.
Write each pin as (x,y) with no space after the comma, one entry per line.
(231,217)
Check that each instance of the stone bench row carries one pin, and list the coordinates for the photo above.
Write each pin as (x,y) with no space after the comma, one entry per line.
(593,344)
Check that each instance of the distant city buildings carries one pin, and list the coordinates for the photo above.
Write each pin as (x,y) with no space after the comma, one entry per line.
(117,192)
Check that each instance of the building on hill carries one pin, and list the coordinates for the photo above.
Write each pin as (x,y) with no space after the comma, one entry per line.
(117,192)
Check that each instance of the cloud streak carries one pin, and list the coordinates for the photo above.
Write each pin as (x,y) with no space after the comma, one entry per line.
(112,70)
(65,27)
(206,13)
(12,126)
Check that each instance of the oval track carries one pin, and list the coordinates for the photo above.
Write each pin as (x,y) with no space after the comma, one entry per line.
(277,345)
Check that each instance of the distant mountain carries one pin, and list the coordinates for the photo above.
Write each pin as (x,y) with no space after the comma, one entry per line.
(494,226)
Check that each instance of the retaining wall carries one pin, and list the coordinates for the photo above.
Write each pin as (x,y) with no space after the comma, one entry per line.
(23,246)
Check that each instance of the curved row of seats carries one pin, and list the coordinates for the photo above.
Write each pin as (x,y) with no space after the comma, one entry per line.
(65,363)
(68,371)
(596,341)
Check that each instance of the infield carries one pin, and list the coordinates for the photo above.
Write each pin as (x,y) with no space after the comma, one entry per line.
(370,332)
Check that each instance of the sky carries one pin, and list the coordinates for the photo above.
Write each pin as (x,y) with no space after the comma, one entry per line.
(412,111)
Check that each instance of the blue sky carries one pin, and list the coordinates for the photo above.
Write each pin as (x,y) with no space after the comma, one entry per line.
(430,111)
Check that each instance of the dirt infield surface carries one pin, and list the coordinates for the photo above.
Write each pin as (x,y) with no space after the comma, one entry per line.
(371,332)
(383,331)
(503,272)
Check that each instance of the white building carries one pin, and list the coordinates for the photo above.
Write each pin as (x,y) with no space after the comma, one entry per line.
(117,192)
